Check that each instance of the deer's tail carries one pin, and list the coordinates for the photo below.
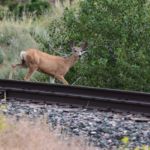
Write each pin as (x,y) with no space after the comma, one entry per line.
(23,55)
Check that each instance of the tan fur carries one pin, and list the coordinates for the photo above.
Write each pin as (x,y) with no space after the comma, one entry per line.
(56,66)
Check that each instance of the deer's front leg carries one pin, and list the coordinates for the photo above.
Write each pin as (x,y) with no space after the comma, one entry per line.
(30,72)
(62,79)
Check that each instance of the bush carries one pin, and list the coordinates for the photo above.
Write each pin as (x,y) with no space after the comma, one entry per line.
(118,34)
(1,56)
(35,8)
(3,12)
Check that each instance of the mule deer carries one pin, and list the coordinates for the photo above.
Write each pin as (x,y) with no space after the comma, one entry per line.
(56,66)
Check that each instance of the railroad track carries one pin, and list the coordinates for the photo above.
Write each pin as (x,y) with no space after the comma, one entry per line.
(75,95)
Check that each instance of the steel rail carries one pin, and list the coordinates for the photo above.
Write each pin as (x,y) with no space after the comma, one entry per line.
(77,95)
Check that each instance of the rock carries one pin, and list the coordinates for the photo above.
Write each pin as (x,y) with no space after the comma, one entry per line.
(104,129)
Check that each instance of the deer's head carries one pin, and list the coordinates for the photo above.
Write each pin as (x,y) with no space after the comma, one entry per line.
(79,51)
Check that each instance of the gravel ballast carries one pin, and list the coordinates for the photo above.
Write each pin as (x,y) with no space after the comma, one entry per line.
(102,128)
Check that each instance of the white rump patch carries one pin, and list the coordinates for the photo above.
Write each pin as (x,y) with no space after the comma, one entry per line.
(22,55)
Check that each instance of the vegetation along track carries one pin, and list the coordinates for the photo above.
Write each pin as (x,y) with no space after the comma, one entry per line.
(75,95)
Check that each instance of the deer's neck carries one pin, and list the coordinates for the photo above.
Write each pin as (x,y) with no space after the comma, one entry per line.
(71,60)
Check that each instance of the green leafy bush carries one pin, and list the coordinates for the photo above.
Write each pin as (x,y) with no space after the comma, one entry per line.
(118,34)
(36,8)
(1,56)
(3,12)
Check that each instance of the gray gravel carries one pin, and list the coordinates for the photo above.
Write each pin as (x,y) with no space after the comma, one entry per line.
(103,128)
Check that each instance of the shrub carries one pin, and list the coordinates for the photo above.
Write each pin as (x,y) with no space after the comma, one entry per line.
(3,12)
(36,8)
(1,56)
(118,34)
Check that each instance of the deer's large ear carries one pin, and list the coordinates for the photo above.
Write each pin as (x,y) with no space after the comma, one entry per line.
(84,46)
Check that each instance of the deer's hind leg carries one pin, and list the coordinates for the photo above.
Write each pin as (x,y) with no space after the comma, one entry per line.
(14,66)
(20,65)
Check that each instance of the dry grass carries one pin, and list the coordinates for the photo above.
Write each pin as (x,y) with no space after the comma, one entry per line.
(26,135)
